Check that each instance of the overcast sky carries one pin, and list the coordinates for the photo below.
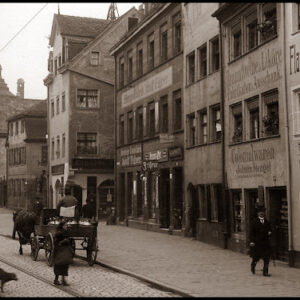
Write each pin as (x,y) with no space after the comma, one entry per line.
(27,54)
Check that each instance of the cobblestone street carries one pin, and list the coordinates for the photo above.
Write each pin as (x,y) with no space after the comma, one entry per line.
(84,280)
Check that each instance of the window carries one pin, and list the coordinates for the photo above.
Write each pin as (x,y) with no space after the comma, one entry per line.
(215,54)
(236,35)
(57,105)
(191,124)
(216,211)
(203,126)
(94,58)
(269,13)
(296,113)
(63,102)
(63,149)
(177,33)
(17,127)
(164,42)
(57,147)
(44,155)
(151,51)
(121,130)
(140,59)
(139,125)
(202,52)
(191,68)
(251,30)
(151,119)
(86,143)
(237,123)
(271,117)
(59,61)
(121,72)
(237,224)
(203,201)
(216,127)
(129,127)
(52,108)
(253,109)
(23,155)
(87,98)
(22,126)
(55,66)
(52,148)
(164,115)
(11,129)
(130,65)
(177,110)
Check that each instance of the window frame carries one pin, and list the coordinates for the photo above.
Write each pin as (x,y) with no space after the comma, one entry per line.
(191,68)
(177,38)
(201,125)
(57,105)
(139,123)
(253,114)
(164,42)
(164,114)
(214,121)
(151,51)
(139,59)
(191,133)
(63,102)
(238,131)
(93,93)
(121,130)
(130,65)
(121,72)
(177,117)
(129,124)
(214,61)
(86,140)
(200,61)
(268,121)
(94,60)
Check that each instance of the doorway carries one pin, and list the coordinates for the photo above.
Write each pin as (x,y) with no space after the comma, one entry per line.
(279,222)
(178,198)
(129,193)
(139,195)
(164,203)
(252,200)
(121,197)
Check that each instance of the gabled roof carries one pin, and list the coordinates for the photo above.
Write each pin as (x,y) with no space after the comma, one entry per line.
(77,26)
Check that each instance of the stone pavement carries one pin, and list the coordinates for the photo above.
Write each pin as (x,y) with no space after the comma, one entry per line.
(184,264)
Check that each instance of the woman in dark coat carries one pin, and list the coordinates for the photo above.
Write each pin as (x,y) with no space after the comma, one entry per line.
(62,253)
(260,232)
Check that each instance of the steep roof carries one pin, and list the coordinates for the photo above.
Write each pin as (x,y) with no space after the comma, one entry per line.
(36,128)
(4,90)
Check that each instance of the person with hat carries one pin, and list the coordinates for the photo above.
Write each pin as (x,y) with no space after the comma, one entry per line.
(68,201)
(260,247)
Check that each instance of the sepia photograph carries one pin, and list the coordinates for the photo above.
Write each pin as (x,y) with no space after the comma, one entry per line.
(149,149)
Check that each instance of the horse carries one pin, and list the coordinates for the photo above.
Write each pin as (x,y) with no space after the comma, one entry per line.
(24,222)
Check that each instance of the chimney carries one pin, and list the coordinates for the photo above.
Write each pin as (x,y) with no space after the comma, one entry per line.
(132,22)
(141,10)
(20,88)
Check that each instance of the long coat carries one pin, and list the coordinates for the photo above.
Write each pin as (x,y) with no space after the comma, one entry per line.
(259,236)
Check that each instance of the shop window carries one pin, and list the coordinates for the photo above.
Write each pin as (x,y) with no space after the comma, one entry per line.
(57,147)
(164,115)
(269,13)
(94,58)
(44,155)
(191,68)
(271,117)
(52,148)
(121,130)
(87,98)
(253,121)
(52,108)
(121,72)
(130,65)
(17,127)
(202,52)
(63,148)
(204,199)
(215,54)
(129,127)
(203,126)
(86,143)
(63,102)
(251,30)
(140,59)
(177,110)
(237,123)
(191,124)
(296,113)
(163,43)
(177,33)
(151,51)
(151,119)
(139,125)
(238,217)
(216,127)
(57,105)
(216,206)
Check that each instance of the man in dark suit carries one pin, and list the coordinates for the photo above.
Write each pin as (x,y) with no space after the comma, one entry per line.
(260,231)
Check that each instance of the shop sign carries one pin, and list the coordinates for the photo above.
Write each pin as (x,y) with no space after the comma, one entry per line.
(294,60)
(149,165)
(131,156)
(148,87)
(58,169)
(166,138)
(160,155)
(175,153)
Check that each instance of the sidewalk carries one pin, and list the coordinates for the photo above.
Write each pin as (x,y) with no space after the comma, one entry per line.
(184,264)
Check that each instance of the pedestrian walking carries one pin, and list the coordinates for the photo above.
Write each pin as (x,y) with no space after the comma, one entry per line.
(89,209)
(63,254)
(260,247)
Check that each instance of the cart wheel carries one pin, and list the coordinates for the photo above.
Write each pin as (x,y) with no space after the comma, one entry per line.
(92,252)
(73,245)
(49,249)
(35,247)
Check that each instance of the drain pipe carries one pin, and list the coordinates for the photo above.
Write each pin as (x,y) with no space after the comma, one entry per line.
(287,141)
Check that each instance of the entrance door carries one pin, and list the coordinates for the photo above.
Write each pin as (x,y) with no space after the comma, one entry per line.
(139,195)
(178,195)
(121,198)
(129,193)
(164,202)
(251,197)
(279,222)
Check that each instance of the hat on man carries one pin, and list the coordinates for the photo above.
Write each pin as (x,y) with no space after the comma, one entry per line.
(260,208)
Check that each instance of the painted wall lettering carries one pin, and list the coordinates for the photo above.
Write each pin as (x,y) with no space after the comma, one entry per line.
(294,60)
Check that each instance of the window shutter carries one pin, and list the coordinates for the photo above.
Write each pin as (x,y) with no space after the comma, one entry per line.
(253,104)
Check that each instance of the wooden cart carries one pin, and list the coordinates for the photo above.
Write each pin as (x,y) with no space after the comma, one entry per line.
(44,239)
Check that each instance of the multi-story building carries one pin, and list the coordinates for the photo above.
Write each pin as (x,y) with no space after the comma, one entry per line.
(203,159)
(9,106)
(80,105)
(149,123)
(26,155)
(256,153)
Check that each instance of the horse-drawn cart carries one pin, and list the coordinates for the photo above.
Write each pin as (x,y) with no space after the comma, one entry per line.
(77,231)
